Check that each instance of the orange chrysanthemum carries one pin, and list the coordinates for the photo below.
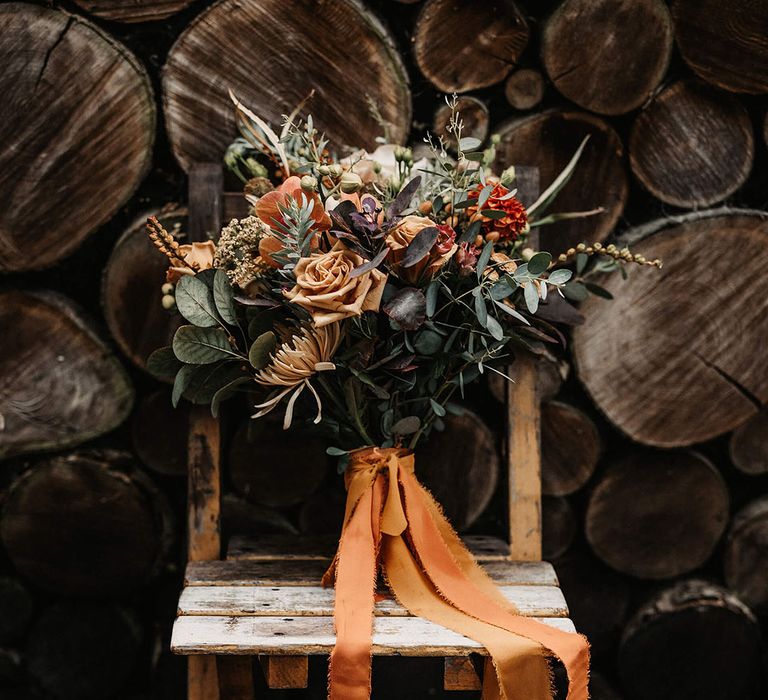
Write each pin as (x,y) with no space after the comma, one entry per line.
(514,220)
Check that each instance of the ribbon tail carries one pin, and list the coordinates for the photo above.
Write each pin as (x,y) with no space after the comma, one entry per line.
(349,670)
(464,585)
(519,662)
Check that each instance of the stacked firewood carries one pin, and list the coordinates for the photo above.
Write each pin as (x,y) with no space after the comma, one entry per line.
(655,434)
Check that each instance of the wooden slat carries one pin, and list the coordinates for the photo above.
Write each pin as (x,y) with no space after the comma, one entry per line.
(459,673)
(533,601)
(323,547)
(392,636)
(309,573)
(285,671)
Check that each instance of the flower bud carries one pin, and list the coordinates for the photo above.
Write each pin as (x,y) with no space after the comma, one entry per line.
(495,139)
(167,288)
(351,183)
(335,170)
(508,177)
(168,302)
(399,153)
(309,183)
(425,207)
(323,170)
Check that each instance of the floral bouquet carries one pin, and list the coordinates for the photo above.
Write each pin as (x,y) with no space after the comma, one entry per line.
(364,294)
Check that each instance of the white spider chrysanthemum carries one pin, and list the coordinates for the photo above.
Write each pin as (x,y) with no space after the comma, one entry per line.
(292,365)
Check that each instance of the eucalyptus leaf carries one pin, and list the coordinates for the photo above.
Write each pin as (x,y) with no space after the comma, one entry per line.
(575,291)
(501,290)
(548,195)
(493,213)
(539,263)
(438,409)
(428,342)
(335,451)
(482,198)
(431,295)
(494,328)
(407,425)
(485,256)
(224,298)
(470,143)
(531,295)
(512,312)
(598,291)
(262,349)
(194,300)
(480,310)
(581,262)
(559,276)
(420,246)
(202,346)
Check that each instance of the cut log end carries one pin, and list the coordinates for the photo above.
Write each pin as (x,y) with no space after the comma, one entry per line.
(746,555)
(134,11)
(749,445)
(524,89)
(499,35)
(106,115)
(656,533)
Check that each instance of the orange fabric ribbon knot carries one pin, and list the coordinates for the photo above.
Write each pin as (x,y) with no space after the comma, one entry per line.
(392,520)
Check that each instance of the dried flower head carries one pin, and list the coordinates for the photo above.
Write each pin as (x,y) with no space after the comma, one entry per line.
(237,252)
(292,365)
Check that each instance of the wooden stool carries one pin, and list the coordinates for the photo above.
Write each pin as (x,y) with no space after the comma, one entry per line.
(264,598)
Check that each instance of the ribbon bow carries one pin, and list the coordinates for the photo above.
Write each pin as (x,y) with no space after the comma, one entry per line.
(392,520)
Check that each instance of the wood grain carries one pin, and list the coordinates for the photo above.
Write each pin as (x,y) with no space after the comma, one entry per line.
(625,57)
(276,54)
(309,573)
(524,89)
(725,43)
(549,139)
(130,289)
(273,601)
(498,31)
(76,105)
(693,145)
(408,636)
(657,515)
(285,671)
(748,446)
(133,11)
(59,384)
(746,555)
(664,360)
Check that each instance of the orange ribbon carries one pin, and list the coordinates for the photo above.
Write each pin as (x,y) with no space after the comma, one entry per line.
(392,520)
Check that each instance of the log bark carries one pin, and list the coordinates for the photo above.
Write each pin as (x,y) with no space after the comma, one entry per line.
(16,608)
(130,289)
(60,385)
(549,140)
(499,34)
(598,598)
(77,136)
(275,468)
(134,11)
(474,115)
(650,532)
(570,448)
(675,154)
(746,555)
(724,43)
(86,524)
(159,434)
(693,640)
(524,89)
(607,56)
(748,446)
(84,651)
(277,53)
(460,467)
(663,360)
(558,525)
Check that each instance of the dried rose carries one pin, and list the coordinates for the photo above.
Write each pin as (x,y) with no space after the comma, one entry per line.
(514,220)
(195,257)
(400,237)
(325,287)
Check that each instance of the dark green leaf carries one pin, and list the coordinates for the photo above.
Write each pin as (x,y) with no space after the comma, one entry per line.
(202,346)
(493,213)
(420,246)
(531,294)
(480,310)
(431,296)
(511,312)
(262,349)
(194,300)
(223,297)
(598,291)
(163,363)
(560,276)
(485,256)
(501,290)
(483,196)
(539,263)
(494,328)
(225,392)
(437,408)
(428,342)
(575,291)
(581,262)
(205,380)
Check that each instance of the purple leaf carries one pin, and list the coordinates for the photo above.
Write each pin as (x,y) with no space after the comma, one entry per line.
(408,308)
(371,264)
(404,198)
(420,245)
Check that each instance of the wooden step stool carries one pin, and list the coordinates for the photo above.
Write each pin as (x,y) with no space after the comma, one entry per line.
(264,598)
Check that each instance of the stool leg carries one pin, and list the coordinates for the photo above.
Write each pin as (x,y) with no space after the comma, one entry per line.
(459,674)
(235,677)
(285,671)
(202,681)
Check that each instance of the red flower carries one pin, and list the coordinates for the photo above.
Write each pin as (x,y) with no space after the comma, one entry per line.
(445,239)
(514,220)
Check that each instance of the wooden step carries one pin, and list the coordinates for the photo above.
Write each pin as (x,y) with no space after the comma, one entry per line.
(299,572)
(308,635)
(241,601)
(323,547)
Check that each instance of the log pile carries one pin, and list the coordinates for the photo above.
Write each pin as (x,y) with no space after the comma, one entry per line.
(654,424)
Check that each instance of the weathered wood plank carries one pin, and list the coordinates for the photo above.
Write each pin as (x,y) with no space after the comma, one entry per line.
(534,601)
(285,671)
(309,573)
(323,547)
(459,673)
(286,636)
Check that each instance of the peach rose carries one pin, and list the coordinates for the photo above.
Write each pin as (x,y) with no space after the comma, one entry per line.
(197,256)
(325,289)
(400,237)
